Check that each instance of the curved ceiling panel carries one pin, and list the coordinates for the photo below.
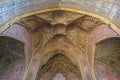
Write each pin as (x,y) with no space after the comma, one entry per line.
(11,51)
(108,51)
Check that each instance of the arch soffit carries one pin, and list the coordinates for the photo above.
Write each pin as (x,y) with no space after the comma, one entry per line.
(107,39)
(112,25)
(13,35)
(24,41)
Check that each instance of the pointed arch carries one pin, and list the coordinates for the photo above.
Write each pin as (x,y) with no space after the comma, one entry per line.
(56,44)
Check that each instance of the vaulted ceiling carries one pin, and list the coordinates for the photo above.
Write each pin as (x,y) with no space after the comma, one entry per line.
(108,52)
(46,25)
(66,21)
(11,51)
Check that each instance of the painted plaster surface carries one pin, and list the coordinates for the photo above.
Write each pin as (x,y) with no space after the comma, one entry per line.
(100,33)
(15,71)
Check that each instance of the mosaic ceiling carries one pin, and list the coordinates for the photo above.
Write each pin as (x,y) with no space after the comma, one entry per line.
(108,52)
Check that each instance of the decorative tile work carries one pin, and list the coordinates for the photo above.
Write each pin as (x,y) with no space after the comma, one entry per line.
(105,72)
(11,53)
(18,32)
(108,51)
